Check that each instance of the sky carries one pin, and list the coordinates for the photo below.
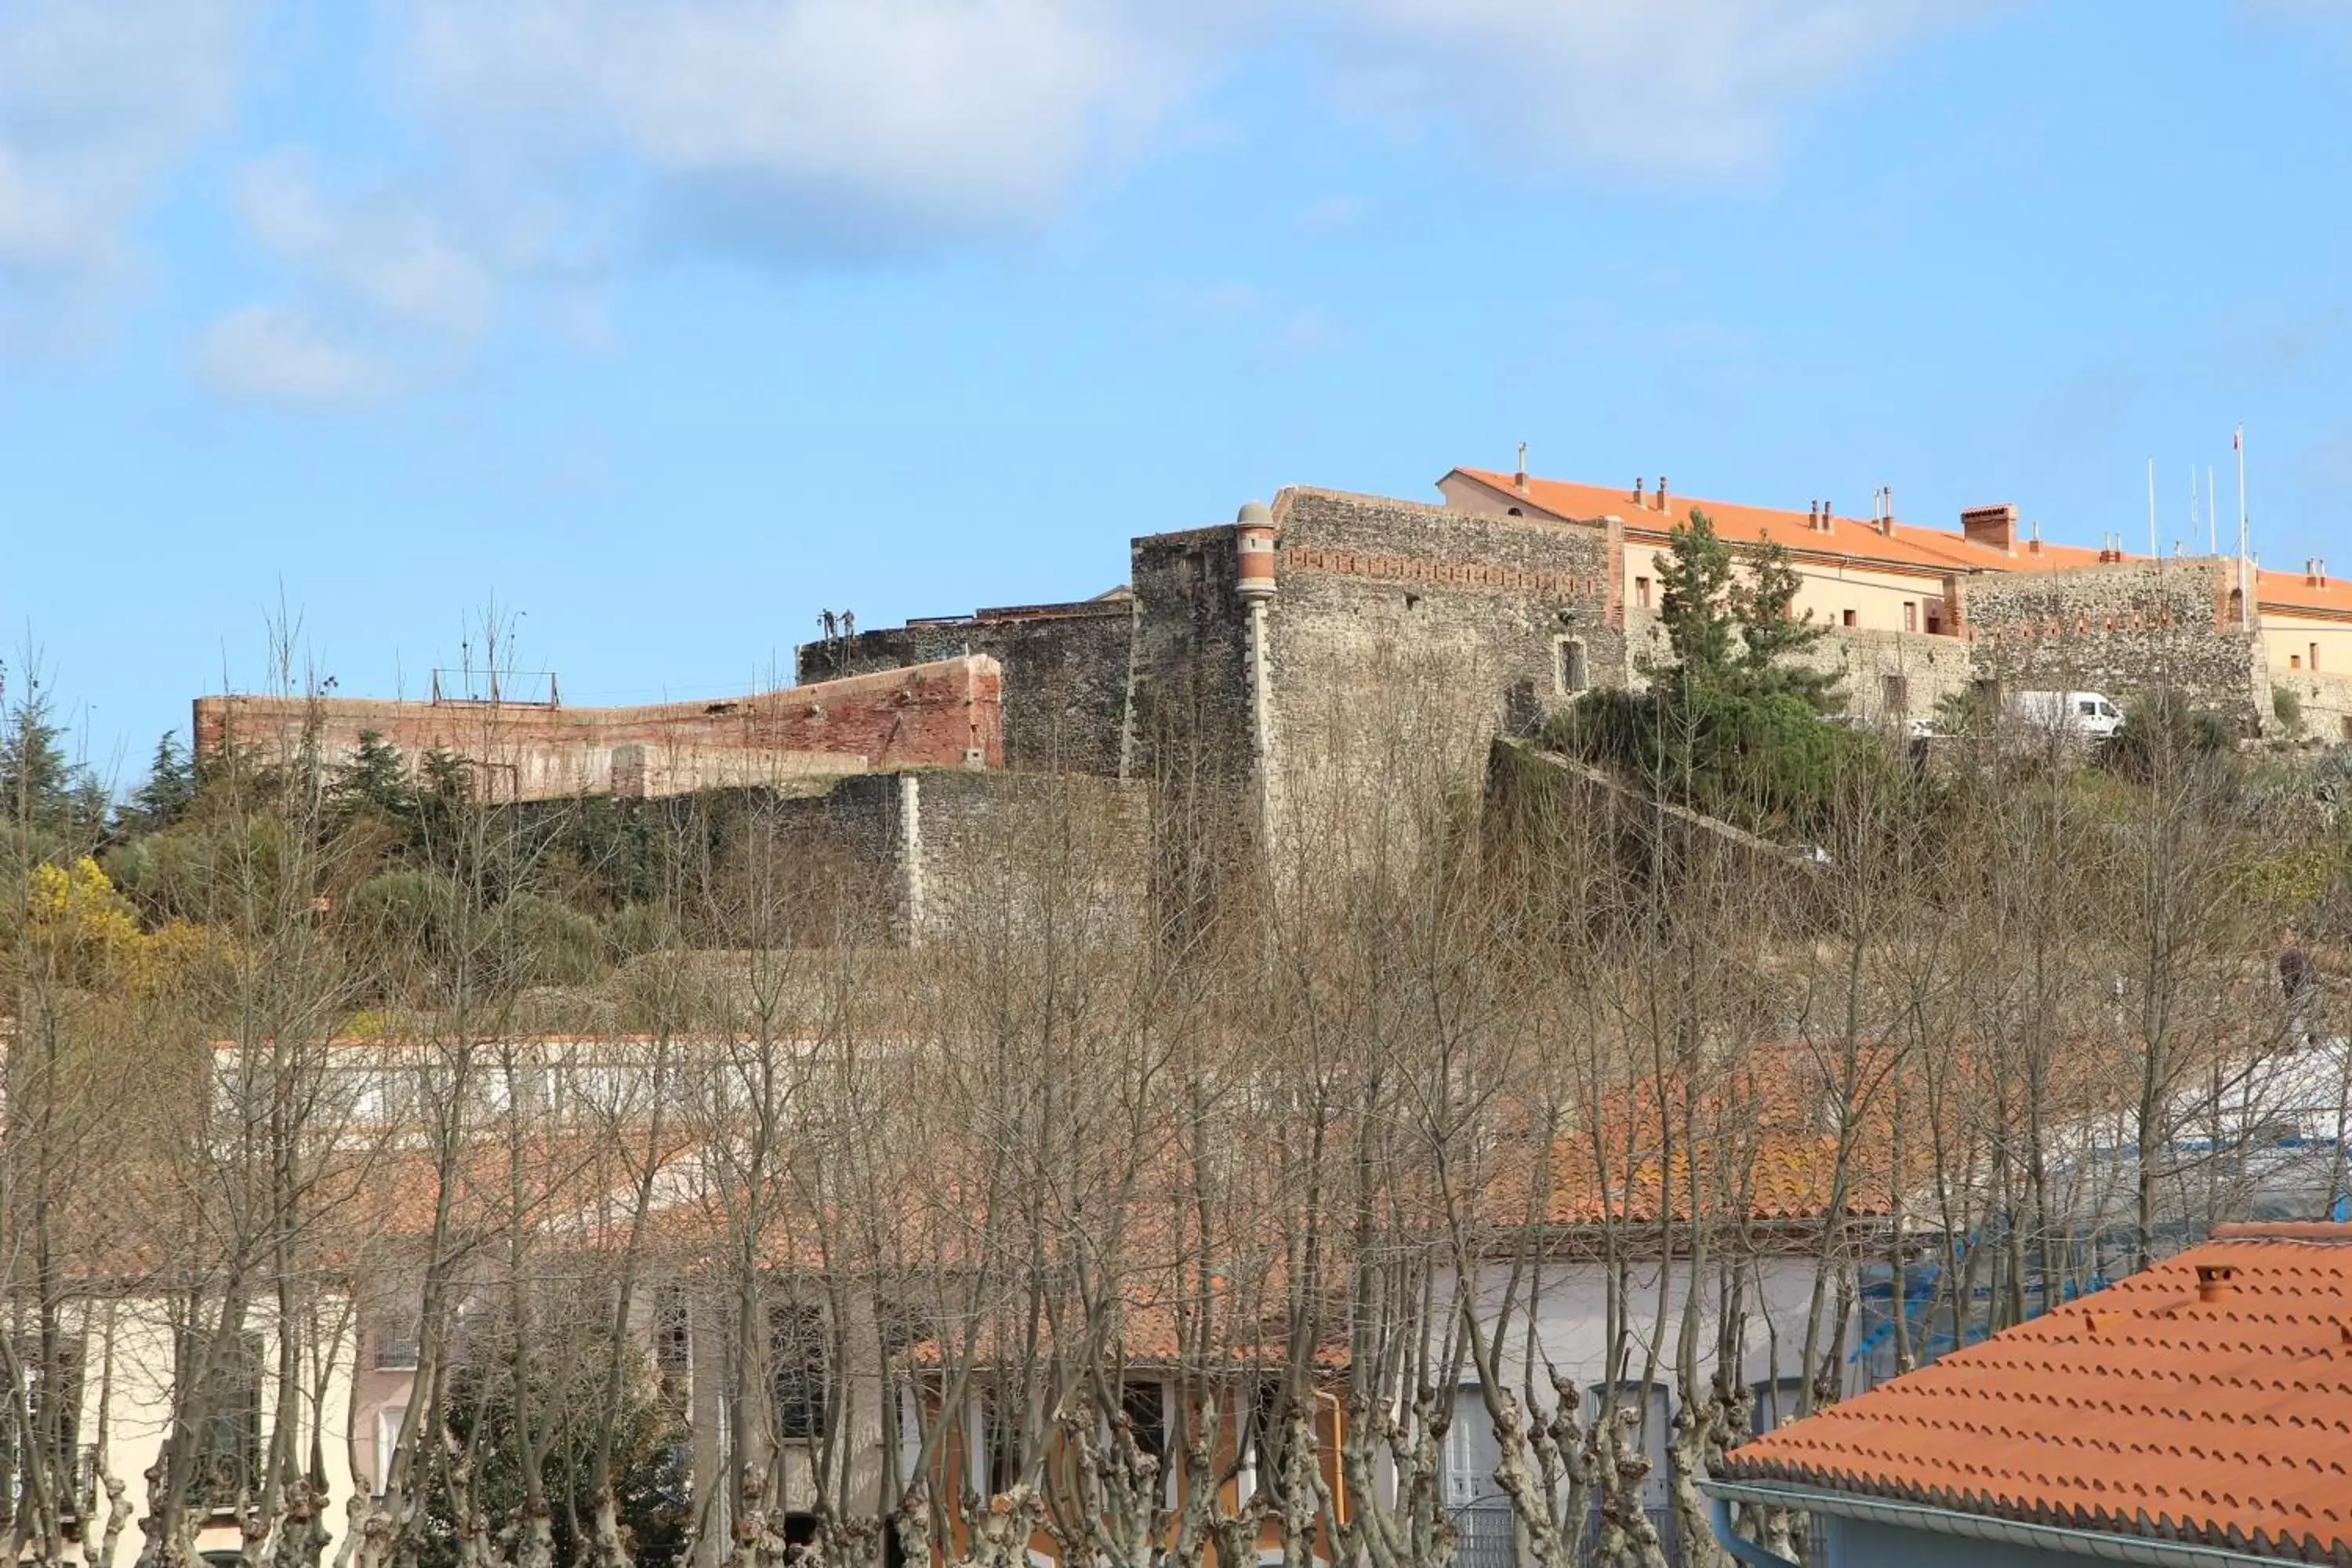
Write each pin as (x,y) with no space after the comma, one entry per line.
(338,340)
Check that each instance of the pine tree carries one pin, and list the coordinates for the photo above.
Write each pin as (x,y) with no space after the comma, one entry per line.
(1772,634)
(373,779)
(1695,582)
(39,788)
(170,789)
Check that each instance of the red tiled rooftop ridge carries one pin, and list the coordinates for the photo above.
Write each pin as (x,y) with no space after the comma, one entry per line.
(2215,1411)
(1906,545)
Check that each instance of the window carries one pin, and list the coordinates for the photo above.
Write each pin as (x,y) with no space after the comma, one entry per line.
(1568,664)
(2294,661)
(796,1370)
(1910,614)
(1145,1404)
(1776,1402)
(1472,1452)
(2314,655)
(1851,619)
(53,1393)
(221,1402)
(673,1335)
(1269,1437)
(2088,708)
(1653,1431)
(1000,1446)
(1642,592)
(388,1423)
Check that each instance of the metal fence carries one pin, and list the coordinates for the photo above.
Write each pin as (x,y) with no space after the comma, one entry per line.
(1486,1538)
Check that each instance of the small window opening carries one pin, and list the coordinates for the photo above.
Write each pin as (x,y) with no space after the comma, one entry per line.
(1002,1441)
(1568,665)
(797,1369)
(1412,602)
(1851,618)
(1910,616)
(2314,655)
(1642,592)
(2294,661)
(1146,1406)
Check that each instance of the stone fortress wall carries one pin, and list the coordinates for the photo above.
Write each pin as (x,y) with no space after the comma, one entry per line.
(2125,628)
(939,714)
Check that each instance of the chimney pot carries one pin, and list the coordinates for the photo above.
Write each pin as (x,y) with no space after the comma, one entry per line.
(1661,492)
(1519,475)
(2216,1281)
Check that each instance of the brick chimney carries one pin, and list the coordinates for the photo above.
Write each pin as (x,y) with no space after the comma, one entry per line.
(1995,527)
(1638,485)
(1661,492)
(2315,573)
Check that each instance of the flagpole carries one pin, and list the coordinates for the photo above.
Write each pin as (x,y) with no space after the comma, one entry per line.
(2245,599)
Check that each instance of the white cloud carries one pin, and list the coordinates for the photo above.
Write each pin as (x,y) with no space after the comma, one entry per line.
(1692,87)
(97,101)
(269,353)
(393,254)
(819,127)
(845,129)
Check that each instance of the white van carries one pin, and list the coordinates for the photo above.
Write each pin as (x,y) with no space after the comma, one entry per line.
(2085,714)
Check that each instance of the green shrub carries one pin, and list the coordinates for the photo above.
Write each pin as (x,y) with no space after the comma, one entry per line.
(2287,708)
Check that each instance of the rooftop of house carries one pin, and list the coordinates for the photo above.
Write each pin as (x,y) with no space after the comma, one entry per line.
(2205,1400)
(1823,531)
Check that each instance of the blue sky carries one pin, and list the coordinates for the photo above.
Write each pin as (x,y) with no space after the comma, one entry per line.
(660,324)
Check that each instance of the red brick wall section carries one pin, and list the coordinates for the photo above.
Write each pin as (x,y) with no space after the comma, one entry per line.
(943,714)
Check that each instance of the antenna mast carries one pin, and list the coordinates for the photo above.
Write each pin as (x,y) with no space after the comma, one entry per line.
(2245,598)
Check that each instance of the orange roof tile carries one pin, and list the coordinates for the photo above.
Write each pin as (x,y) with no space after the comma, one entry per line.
(1766,1150)
(1910,546)
(2145,1410)
(2294,591)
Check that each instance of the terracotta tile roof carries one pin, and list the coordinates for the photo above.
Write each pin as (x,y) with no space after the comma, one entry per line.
(1766,1147)
(1910,546)
(1919,549)
(2294,591)
(2149,1410)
